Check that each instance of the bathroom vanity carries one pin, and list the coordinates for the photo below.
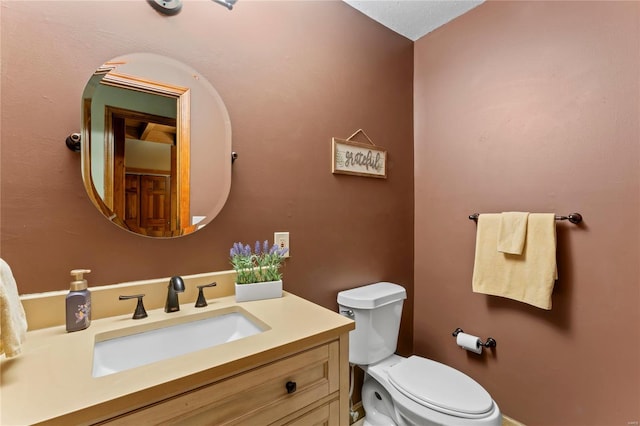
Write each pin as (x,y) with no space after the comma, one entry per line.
(293,372)
(290,390)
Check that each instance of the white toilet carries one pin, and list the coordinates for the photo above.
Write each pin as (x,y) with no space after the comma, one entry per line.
(401,391)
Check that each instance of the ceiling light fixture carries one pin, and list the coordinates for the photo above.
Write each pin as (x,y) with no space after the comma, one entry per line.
(172,7)
(226,3)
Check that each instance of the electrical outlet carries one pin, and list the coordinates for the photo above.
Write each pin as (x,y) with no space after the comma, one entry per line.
(281,239)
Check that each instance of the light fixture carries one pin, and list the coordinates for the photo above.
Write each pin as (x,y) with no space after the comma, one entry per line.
(172,7)
(226,3)
(168,7)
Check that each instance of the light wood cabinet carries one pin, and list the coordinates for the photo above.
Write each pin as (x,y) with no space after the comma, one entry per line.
(305,388)
(324,415)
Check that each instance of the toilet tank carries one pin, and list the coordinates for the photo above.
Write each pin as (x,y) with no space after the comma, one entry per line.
(376,309)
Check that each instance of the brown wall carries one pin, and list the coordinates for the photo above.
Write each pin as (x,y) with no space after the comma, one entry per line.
(534,106)
(292,75)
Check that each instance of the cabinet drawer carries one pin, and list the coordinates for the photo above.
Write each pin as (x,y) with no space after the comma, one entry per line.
(325,415)
(258,396)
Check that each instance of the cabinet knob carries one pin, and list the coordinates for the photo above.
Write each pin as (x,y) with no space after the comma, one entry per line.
(291,387)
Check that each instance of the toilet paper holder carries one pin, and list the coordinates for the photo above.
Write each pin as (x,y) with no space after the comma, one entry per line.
(490,343)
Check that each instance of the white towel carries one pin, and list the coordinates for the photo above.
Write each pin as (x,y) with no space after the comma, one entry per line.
(13,321)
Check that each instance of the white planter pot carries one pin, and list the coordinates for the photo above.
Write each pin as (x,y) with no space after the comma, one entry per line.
(258,291)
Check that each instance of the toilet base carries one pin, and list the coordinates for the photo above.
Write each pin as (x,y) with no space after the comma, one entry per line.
(378,405)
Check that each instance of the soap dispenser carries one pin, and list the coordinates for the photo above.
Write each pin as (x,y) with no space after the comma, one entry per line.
(78,302)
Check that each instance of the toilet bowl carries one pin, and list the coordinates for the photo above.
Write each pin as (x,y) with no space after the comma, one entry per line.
(419,391)
(412,391)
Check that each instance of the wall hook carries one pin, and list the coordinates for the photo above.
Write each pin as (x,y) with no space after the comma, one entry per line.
(73,142)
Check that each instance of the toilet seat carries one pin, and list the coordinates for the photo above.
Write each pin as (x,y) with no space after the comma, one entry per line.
(440,388)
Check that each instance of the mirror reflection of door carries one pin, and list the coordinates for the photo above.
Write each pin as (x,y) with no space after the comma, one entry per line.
(156,85)
(141,178)
(147,204)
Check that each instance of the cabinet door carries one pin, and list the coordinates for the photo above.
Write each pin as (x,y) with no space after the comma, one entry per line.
(258,397)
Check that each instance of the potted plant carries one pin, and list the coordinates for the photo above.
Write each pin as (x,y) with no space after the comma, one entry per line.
(258,271)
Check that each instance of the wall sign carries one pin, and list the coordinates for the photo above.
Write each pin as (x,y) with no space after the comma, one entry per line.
(360,159)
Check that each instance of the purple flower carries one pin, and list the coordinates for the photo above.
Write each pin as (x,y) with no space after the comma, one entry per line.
(259,267)
(237,249)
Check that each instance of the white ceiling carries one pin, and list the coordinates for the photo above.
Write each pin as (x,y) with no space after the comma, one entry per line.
(413,18)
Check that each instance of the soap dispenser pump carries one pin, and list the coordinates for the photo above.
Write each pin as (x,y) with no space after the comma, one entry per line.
(78,302)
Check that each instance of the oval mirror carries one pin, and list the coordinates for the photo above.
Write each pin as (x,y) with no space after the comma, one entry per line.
(156,145)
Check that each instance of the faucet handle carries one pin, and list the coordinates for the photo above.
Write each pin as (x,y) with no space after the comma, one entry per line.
(202,302)
(140,311)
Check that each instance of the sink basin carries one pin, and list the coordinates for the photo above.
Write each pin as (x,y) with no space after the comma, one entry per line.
(142,346)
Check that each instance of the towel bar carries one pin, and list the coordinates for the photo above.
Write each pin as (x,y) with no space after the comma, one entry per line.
(572,217)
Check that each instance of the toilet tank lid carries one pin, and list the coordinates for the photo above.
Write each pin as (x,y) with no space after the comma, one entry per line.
(372,295)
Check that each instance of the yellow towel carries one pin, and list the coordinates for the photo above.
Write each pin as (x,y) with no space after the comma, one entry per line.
(13,321)
(512,232)
(528,278)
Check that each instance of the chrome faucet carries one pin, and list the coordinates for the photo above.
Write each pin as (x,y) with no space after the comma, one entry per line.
(176,285)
